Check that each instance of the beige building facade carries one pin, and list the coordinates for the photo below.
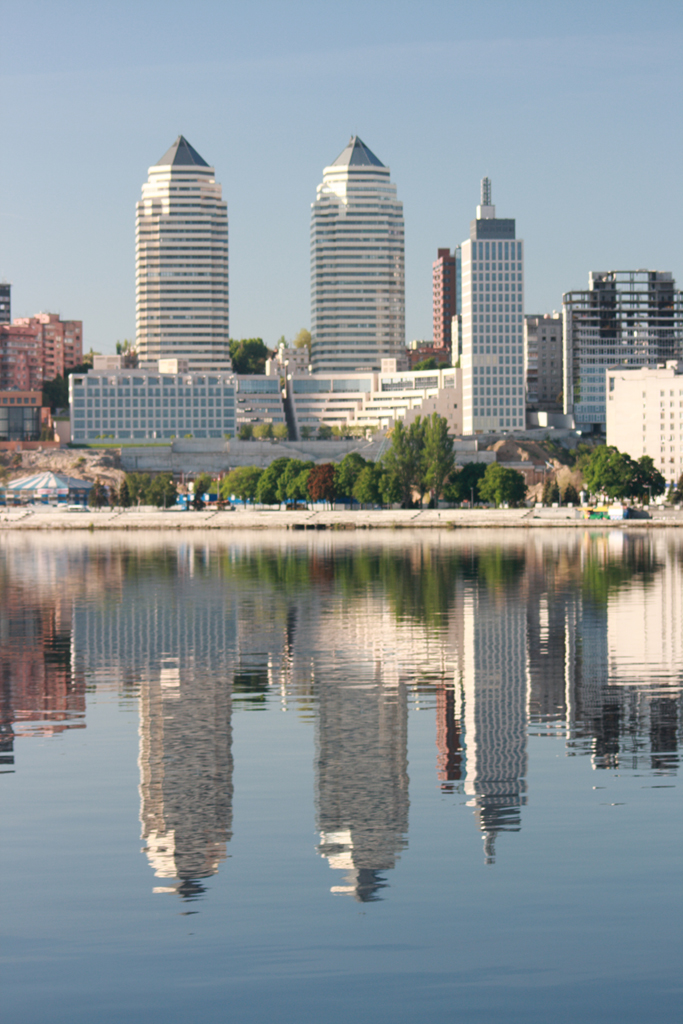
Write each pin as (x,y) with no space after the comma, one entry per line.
(181,263)
(543,362)
(357,265)
(645,414)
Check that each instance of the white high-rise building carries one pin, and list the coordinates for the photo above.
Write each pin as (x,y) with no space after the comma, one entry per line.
(357,265)
(181,258)
(492,322)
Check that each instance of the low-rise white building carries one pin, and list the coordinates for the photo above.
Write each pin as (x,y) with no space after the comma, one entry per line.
(645,414)
(259,399)
(374,401)
(151,404)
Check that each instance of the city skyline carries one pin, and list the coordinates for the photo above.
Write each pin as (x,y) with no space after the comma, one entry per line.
(269,128)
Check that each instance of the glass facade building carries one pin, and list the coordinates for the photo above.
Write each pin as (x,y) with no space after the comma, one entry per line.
(625,318)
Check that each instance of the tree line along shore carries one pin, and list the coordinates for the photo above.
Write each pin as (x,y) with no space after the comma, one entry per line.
(418,470)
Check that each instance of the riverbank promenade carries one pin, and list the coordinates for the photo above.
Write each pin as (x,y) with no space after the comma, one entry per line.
(46,518)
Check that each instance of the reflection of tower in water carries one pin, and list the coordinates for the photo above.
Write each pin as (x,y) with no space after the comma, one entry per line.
(185,774)
(448,739)
(494,695)
(176,642)
(361,780)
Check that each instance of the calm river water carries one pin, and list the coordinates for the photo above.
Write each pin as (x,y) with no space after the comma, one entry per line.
(336,777)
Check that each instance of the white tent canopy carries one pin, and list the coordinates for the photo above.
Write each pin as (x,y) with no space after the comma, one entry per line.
(47,485)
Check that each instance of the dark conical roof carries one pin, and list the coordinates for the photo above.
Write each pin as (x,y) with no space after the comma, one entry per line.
(357,154)
(181,152)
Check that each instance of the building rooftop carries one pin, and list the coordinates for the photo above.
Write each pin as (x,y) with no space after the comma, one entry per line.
(181,154)
(357,154)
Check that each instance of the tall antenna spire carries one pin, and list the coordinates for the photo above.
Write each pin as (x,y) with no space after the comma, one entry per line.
(486,192)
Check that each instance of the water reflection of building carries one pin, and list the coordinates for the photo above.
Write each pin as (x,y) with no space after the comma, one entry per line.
(361,729)
(449,739)
(361,780)
(40,694)
(494,711)
(185,772)
(174,644)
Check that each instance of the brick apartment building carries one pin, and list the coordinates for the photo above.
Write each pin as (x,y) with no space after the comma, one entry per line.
(38,348)
(444,297)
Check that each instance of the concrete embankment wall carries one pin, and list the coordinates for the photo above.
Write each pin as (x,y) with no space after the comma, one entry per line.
(42,519)
(194,456)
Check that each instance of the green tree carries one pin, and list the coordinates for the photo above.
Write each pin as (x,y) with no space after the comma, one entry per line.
(321,482)
(266,490)
(129,356)
(438,453)
(464,483)
(243,482)
(389,486)
(123,498)
(263,431)
(292,484)
(162,491)
(249,355)
(324,432)
(303,339)
(347,472)
(677,495)
(298,489)
(608,471)
(280,432)
(138,486)
(570,495)
(405,458)
(551,492)
(646,479)
(98,495)
(429,363)
(246,432)
(366,489)
(203,484)
(502,486)
(56,391)
(89,357)
(305,432)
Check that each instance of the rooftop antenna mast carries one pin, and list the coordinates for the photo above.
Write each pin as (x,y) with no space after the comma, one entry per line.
(486,192)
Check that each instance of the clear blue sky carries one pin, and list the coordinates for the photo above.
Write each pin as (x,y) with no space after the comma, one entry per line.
(573,110)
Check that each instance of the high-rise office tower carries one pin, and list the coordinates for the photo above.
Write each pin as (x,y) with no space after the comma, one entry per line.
(543,361)
(357,265)
(445,274)
(627,317)
(5,303)
(181,246)
(492,322)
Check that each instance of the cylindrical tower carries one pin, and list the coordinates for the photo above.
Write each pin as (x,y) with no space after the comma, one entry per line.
(357,265)
(181,263)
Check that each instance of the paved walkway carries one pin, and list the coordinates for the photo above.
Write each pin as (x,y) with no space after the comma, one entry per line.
(44,518)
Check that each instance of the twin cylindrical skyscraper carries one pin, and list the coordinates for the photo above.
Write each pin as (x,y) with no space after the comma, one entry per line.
(181,263)
(357,264)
